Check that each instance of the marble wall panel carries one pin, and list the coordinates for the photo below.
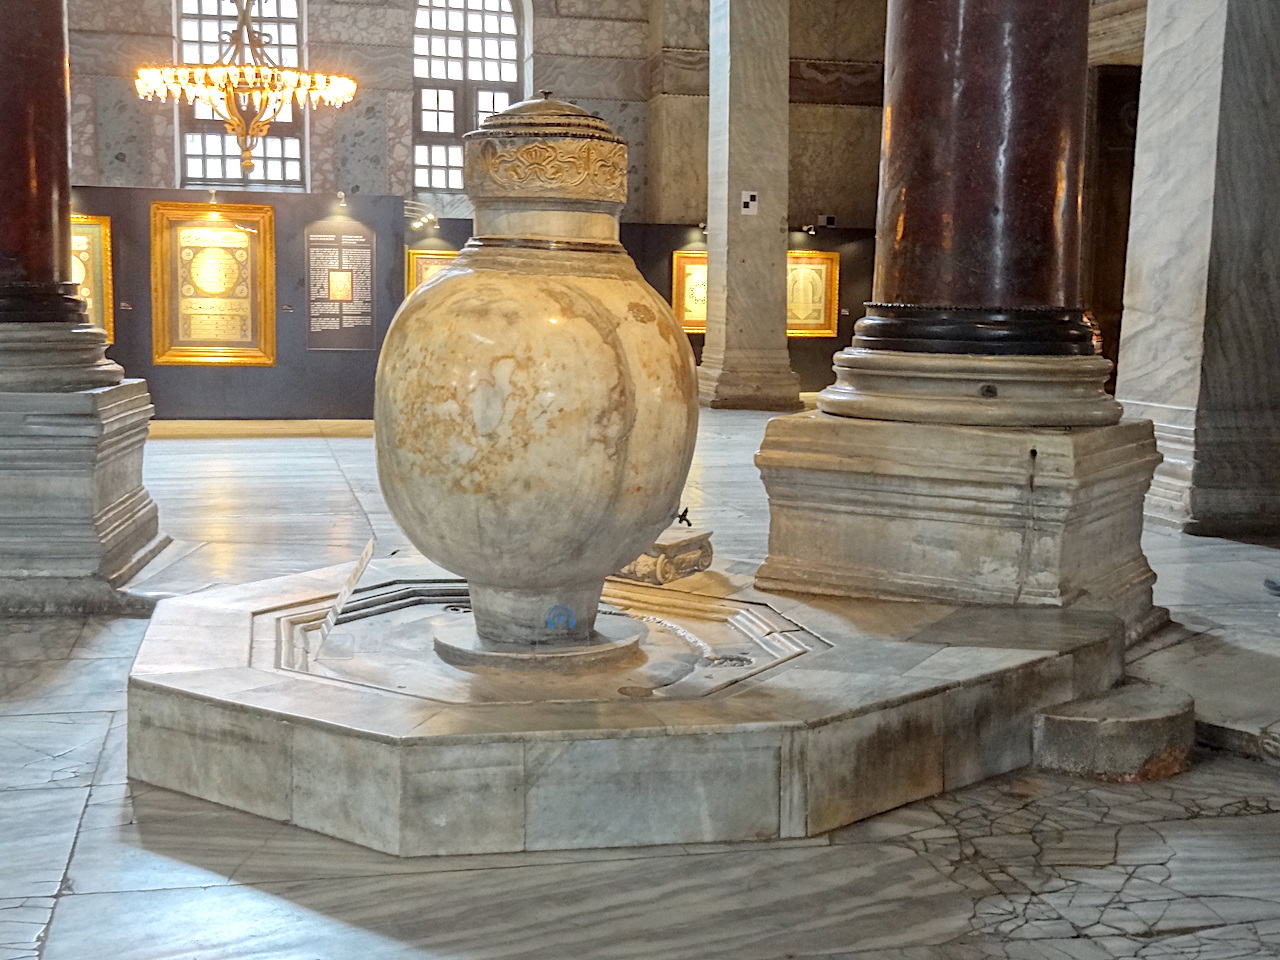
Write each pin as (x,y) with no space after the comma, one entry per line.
(322,134)
(84,132)
(677,158)
(835,163)
(680,72)
(367,25)
(682,24)
(845,82)
(604,9)
(117,54)
(838,29)
(400,123)
(163,155)
(125,127)
(629,120)
(572,36)
(372,67)
(122,16)
(360,145)
(598,78)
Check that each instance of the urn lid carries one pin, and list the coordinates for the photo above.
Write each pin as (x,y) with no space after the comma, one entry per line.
(545,148)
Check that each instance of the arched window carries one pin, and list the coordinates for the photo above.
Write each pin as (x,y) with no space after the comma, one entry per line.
(210,156)
(466,66)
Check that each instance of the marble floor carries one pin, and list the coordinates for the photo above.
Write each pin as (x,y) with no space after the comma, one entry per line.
(93,867)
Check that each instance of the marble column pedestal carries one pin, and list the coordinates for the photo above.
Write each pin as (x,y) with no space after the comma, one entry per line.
(1036,516)
(75,519)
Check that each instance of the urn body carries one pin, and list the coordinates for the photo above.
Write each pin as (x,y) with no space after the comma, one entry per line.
(536,410)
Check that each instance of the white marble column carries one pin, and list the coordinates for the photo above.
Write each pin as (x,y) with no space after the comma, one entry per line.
(744,362)
(1199,348)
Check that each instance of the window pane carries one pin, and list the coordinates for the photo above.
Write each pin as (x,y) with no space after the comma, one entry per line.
(476,43)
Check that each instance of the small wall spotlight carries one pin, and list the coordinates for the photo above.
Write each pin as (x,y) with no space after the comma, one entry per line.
(810,229)
(342,198)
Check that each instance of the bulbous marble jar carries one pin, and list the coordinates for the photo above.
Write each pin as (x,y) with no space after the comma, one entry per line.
(536,401)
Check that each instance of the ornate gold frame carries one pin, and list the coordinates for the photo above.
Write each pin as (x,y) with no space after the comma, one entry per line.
(828,321)
(257,222)
(416,260)
(690,265)
(102,309)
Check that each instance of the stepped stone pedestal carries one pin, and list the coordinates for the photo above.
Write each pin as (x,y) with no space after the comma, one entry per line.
(1036,516)
(75,519)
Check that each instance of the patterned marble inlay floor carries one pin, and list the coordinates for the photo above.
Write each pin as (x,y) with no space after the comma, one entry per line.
(93,867)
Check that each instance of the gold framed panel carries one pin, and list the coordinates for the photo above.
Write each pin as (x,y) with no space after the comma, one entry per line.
(421,265)
(689,289)
(813,291)
(213,284)
(91,270)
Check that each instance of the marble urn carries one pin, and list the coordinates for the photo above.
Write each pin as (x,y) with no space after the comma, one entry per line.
(536,401)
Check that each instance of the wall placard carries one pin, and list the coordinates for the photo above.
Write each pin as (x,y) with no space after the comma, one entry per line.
(813,291)
(421,265)
(340,305)
(213,284)
(91,270)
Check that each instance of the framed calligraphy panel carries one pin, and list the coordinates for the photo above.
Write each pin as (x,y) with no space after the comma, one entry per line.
(213,295)
(813,291)
(421,265)
(91,270)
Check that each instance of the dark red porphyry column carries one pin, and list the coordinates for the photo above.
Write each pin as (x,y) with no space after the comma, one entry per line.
(43,335)
(978,234)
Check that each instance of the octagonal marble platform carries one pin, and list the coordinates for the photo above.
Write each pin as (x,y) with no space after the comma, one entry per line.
(751,716)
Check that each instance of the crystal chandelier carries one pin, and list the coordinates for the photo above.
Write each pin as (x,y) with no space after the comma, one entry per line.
(245,89)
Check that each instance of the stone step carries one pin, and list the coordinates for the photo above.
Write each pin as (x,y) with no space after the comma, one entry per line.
(1139,731)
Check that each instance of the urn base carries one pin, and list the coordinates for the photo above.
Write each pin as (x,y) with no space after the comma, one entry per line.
(616,642)
(556,616)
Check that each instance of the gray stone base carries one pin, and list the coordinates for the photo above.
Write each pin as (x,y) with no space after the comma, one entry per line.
(1137,732)
(794,721)
(750,380)
(75,519)
(991,515)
